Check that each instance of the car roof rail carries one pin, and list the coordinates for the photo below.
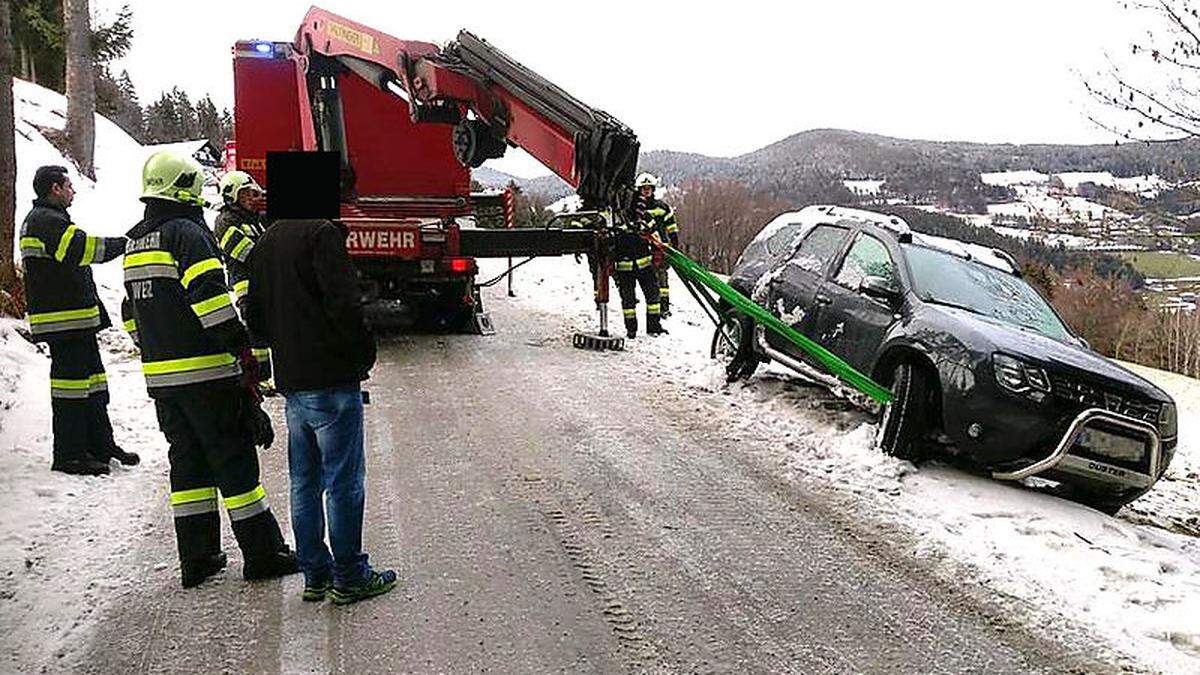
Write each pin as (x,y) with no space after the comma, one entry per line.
(1007,257)
(894,224)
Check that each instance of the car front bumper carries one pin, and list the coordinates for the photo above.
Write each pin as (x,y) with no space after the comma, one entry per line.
(1068,460)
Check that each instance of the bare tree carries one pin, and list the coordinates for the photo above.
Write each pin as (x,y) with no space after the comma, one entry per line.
(1155,95)
(8,155)
(81,86)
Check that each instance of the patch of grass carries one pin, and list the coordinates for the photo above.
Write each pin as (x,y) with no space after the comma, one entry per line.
(1163,264)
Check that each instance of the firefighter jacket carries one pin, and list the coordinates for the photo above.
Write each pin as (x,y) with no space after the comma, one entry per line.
(177,306)
(237,230)
(58,278)
(631,251)
(661,220)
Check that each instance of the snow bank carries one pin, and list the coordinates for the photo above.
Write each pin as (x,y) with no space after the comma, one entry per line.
(1132,581)
(63,536)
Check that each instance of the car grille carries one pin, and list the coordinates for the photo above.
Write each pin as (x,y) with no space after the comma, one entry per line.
(1084,395)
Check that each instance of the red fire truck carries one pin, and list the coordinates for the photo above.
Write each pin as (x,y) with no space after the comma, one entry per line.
(409,120)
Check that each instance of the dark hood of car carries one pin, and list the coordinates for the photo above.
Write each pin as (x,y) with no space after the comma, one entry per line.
(1056,356)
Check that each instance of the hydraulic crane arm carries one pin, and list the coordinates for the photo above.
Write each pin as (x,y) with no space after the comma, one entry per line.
(490,99)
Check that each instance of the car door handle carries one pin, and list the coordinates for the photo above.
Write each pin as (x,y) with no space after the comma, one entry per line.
(823,299)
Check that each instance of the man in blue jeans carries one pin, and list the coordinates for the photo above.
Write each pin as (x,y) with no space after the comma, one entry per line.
(304,303)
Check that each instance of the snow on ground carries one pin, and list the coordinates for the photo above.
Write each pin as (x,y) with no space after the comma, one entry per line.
(864,188)
(63,536)
(1010,178)
(1133,581)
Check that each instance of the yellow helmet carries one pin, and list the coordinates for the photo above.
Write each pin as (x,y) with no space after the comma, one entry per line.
(173,177)
(233,183)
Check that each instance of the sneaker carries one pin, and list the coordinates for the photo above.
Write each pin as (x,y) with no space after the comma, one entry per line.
(193,573)
(81,466)
(377,583)
(278,564)
(315,591)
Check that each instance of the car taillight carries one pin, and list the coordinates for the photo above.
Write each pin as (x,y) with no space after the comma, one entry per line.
(459,265)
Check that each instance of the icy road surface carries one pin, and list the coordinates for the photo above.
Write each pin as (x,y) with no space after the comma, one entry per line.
(556,510)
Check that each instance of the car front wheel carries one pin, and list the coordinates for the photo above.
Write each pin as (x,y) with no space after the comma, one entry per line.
(904,424)
(731,346)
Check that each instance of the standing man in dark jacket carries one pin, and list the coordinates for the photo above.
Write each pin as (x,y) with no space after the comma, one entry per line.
(66,313)
(237,227)
(661,221)
(193,350)
(305,302)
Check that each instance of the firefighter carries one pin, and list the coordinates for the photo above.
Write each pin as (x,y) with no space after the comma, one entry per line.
(633,266)
(661,220)
(194,350)
(65,313)
(237,227)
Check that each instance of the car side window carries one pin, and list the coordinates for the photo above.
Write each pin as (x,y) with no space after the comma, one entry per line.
(781,242)
(818,249)
(868,257)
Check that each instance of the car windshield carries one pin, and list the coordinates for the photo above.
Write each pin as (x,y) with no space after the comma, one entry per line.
(947,279)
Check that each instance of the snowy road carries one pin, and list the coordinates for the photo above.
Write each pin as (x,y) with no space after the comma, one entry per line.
(556,510)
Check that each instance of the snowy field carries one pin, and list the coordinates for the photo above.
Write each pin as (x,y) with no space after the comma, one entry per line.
(1133,580)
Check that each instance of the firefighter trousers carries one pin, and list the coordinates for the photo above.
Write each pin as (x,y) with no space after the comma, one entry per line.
(212,450)
(664,287)
(627,283)
(79,400)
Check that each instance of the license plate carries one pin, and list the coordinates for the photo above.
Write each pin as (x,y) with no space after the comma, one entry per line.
(1112,445)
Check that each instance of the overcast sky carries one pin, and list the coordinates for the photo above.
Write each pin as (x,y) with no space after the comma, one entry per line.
(720,81)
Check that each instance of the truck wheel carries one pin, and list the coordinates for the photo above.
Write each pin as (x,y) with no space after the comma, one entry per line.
(905,421)
(731,346)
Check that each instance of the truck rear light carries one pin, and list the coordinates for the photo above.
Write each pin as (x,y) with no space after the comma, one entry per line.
(458,265)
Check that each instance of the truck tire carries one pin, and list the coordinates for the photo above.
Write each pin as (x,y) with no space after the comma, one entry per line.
(904,424)
(735,350)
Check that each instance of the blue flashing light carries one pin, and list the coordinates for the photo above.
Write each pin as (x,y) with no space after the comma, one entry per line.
(263,47)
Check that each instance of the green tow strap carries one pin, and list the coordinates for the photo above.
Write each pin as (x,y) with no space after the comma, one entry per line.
(690,269)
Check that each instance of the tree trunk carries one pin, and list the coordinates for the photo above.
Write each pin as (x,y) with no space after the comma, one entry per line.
(8,138)
(81,86)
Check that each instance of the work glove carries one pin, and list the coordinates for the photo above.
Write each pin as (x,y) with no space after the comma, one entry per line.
(264,433)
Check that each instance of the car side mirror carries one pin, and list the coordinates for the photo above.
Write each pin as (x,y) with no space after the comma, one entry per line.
(880,288)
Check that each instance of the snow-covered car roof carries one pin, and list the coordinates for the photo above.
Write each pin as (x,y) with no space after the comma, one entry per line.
(811,216)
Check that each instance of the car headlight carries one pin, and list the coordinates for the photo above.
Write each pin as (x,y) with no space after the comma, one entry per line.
(1168,421)
(1019,377)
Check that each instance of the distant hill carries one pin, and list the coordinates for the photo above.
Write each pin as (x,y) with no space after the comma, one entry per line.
(811,164)
(548,187)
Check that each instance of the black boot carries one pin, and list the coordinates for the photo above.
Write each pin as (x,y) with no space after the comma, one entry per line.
(654,325)
(278,564)
(85,465)
(126,458)
(631,328)
(194,572)
(664,304)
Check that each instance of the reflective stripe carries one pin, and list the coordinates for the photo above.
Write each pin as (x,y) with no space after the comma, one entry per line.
(241,288)
(261,354)
(632,311)
(664,291)
(242,250)
(218,316)
(195,495)
(71,319)
(227,236)
(130,325)
(644,262)
(151,272)
(89,251)
(65,315)
(656,212)
(672,227)
(206,265)
(65,242)
(177,372)
(624,266)
(78,389)
(653,309)
(194,508)
(189,364)
(149,258)
(249,511)
(32,247)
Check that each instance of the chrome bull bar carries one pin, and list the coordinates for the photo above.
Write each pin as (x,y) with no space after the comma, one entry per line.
(1062,460)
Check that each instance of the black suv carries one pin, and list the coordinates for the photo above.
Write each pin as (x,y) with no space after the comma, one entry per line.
(976,359)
